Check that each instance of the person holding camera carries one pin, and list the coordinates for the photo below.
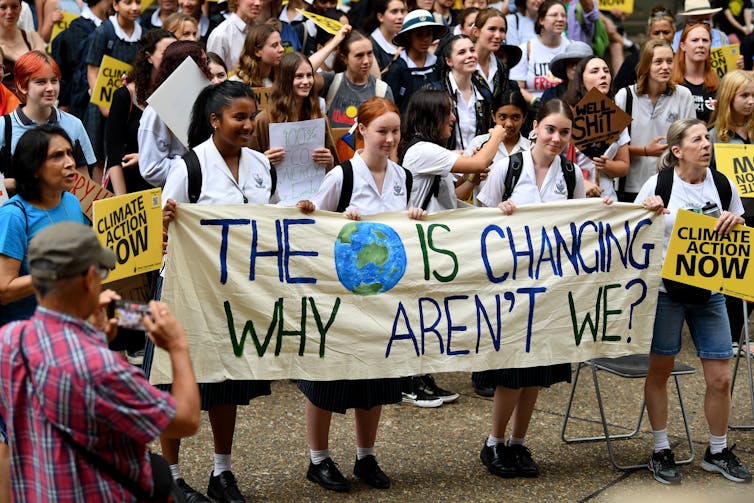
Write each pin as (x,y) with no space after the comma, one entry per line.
(79,416)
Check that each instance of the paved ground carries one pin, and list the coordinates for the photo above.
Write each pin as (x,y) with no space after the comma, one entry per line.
(433,455)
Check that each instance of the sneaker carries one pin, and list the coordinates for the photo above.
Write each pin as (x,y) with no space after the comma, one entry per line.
(485,391)
(525,465)
(431,388)
(414,392)
(190,494)
(224,488)
(499,460)
(745,349)
(662,466)
(135,358)
(726,463)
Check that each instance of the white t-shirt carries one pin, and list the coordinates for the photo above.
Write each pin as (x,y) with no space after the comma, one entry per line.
(502,153)
(535,70)
(366,197)
(425,160)
(218,185)
(553,188)
(520,28)
(606,182)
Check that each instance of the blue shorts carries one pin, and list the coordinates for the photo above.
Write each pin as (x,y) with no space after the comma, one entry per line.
(708,324)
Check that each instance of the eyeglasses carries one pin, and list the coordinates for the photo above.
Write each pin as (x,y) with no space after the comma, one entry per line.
(701,21)
(556,15)
(103,272)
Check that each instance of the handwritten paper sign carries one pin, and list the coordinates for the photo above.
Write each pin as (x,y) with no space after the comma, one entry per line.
(87,191)
(598,123)
(287,295)
(626,6)
(108,80)
(171,98)
(131,226)
(724,59)
(298,176)
(61,25)
(263,93)
(737,163)
(331,26)
(3,192)
(699,256)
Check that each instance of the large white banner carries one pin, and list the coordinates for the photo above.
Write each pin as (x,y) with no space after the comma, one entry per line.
(266,292)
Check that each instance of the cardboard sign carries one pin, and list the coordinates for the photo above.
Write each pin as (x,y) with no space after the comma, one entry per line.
(264,96)
(61,25)
(131,226)
(3,192)
(737,163)
(137,288)
(699,256)
(724,59)
(626,6)
(109,78)
(87,191)
(597,123)
(265,292)
(175,98)
(299,177)
(331,26)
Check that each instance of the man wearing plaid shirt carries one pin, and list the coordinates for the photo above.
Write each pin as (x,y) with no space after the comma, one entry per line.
(60,385)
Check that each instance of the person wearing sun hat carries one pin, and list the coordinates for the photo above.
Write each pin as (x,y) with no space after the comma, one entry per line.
(414,67)
(700,11)
(563,65)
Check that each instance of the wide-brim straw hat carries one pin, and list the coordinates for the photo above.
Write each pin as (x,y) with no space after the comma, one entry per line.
(419,18)
(575,50)
(698,8)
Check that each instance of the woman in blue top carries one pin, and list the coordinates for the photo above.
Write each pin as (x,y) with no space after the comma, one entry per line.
(42,199)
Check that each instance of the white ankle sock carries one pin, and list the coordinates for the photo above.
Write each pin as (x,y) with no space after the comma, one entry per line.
(717,443)
(661,439)
(362,452)
(318,456)
(515,441)
(493,441)
(222,464)
(175,471)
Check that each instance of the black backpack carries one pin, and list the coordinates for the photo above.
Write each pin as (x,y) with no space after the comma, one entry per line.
(346,190)
(680,292)
(516,165)
(194,170)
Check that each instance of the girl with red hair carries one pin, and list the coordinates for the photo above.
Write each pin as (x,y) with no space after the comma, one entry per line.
(692,68)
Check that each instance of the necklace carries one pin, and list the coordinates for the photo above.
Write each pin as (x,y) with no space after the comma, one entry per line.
(49,217)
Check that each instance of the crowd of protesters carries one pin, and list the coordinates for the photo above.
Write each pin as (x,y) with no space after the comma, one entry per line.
(443,99)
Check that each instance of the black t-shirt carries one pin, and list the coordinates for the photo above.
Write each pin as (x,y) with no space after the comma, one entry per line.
(704,101)
(737,8)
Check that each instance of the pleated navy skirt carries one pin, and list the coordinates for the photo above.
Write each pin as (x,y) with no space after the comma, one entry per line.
(543,376)
(339,396)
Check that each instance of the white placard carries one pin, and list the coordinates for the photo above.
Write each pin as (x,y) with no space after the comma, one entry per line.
(298,176)
(175,98)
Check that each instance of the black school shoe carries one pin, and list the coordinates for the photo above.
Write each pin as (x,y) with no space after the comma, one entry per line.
(224,488)
(499,460)
(328,476)
(369,471)
(190,494)
(525,465)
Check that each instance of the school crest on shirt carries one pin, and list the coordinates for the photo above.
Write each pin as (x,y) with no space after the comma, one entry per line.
(397,189)
(561,188)
(259,181)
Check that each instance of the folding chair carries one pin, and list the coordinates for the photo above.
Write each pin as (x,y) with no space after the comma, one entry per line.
(743,342)
(629,367)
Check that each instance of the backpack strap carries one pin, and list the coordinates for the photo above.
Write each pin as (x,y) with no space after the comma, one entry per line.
(515,167)
(346,189)
(664,185)
(380,88)
(5,155)
(569,173)
(333,90)
(434,190)
(409,185)
(723,188)
(274,178)
(194,170)
(109,30)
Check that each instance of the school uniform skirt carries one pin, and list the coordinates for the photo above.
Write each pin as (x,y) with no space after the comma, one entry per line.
(339,396)
(543,376)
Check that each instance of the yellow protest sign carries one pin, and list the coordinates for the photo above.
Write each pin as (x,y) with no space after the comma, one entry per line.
(87,191)
(264,96)
(331,26)
(626,6)
(736,161)
(285,295)
(63,24)
(145,4)
(699,256)
(108,80)
(724,59)
(131,226)
(598,123)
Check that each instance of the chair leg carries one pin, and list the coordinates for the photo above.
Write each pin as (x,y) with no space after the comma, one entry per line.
(685,425)
(744,342)
(569,404)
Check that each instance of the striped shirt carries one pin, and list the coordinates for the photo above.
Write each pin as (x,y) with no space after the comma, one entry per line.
(79,385)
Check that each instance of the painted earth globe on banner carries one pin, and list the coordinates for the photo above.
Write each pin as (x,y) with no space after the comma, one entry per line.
(369,257)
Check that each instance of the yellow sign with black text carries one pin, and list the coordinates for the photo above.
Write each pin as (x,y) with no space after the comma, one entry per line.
(626,6)
(63,24)
(109,79)
(724,59)
(736,161)
(331,26)
(699,256)
(131,226)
